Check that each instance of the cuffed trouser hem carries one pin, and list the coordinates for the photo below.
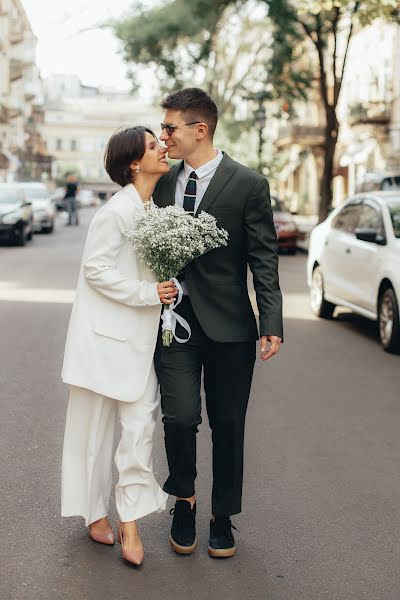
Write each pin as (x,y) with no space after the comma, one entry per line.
(179,493)
(88,453)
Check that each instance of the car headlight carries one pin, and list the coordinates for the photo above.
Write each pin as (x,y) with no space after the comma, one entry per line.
(12,217)
(40,213)
(288,227)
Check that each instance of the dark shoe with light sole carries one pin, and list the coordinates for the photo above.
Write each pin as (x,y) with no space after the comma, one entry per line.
(221,543)
(183,531)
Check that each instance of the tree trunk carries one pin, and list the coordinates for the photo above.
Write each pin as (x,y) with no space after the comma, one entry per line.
(331,136)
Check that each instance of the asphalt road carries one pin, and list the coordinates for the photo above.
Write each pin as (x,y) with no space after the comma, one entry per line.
(321,497)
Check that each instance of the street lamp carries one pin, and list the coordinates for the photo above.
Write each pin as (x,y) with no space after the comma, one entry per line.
(260,116)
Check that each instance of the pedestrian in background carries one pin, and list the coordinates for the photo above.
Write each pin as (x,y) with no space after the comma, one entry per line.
(71,190)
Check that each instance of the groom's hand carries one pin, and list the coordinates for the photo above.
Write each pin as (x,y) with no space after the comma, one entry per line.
(274,343)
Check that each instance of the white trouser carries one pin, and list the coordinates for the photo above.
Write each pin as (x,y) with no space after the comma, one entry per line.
(88,453)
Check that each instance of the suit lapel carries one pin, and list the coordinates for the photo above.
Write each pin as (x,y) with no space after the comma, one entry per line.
(169,197)
(222,175)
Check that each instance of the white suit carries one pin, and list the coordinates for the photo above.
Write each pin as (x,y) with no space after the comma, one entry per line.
(108,363)
(116,314)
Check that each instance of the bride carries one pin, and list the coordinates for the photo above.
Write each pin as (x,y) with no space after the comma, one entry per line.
(108,359)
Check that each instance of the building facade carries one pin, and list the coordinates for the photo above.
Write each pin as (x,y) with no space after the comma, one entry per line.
(76,129)
(20,96)
(369,116)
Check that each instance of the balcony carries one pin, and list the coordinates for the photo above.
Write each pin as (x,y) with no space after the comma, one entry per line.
(15,106)
(30,90)
(3,112)
(301,135)
(24,52)
(369,113)
(16,31)
(16,69)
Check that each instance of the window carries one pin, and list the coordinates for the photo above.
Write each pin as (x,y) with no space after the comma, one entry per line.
(394,209)
(74,145)
(371,218)
(58,144)
(347,219)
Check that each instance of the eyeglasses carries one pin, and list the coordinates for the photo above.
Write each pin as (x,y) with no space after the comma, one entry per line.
(171,128)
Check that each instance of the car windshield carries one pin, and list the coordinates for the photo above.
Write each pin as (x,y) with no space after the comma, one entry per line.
(394,209)
(391,182)
(276,204)
(9,196)
(35,194)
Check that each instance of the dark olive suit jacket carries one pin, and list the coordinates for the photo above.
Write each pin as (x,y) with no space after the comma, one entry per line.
(239,199)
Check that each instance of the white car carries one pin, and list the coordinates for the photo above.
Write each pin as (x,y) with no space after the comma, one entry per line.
(354,261)
(87,198)
(44,212)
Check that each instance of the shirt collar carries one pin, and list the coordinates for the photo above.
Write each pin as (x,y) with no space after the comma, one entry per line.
(205,169)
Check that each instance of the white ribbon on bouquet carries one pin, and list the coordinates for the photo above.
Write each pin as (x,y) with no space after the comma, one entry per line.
(170,318)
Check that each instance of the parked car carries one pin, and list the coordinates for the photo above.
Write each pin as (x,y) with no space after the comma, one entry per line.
(44,212)
(286,228)
(57,198)
(379,181)
(16,214)
(87,198)
(354,261)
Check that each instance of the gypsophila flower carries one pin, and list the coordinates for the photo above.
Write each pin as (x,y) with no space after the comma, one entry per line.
(168,239)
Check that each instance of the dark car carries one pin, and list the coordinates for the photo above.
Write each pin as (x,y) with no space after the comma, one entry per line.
(379,181)
(16,215)
(286,228)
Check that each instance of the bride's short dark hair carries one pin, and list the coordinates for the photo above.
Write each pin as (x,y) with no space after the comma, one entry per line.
(125,146)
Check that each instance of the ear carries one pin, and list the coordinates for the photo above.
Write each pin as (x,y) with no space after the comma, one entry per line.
(202,131)
(134,166)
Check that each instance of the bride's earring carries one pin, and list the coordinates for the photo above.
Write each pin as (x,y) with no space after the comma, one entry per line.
(137,170)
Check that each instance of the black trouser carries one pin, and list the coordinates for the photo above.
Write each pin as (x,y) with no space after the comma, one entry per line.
(228,371)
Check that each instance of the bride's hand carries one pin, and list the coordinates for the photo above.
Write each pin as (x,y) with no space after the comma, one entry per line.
(167,292)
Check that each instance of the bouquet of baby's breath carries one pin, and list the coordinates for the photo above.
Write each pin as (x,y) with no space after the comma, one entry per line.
(168,239)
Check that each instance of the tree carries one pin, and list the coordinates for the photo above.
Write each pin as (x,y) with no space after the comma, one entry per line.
(176,39)
(219,45)
(325,27)
(187,42)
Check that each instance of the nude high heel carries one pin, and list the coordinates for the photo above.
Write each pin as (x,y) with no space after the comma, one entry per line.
(104,537)
(133,556)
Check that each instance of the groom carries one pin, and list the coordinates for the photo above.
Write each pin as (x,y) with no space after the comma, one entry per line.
(217,306)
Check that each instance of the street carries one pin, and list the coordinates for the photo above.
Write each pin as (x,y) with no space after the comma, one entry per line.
(320,516)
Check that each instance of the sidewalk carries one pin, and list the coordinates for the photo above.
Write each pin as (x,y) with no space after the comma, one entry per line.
(305,223)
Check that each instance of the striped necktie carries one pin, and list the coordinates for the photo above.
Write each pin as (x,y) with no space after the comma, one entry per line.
(189,198)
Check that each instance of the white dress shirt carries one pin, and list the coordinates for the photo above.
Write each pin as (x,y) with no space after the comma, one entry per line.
(204,175)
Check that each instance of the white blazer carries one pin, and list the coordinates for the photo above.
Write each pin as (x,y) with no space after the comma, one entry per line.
(116,314)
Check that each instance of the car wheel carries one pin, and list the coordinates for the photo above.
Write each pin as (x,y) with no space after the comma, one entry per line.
(48,229)
(29,236)
(320,307)
(21,239)
(388,319)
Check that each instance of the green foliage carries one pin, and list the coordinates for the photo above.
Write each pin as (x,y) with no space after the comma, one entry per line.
(175,38)
(306,36)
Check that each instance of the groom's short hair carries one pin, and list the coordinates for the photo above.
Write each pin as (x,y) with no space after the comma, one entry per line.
(195,104)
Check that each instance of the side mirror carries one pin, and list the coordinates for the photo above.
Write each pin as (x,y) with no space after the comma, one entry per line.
(370,235)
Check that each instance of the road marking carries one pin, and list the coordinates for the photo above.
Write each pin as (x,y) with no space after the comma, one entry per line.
(295,306)
(45,295)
